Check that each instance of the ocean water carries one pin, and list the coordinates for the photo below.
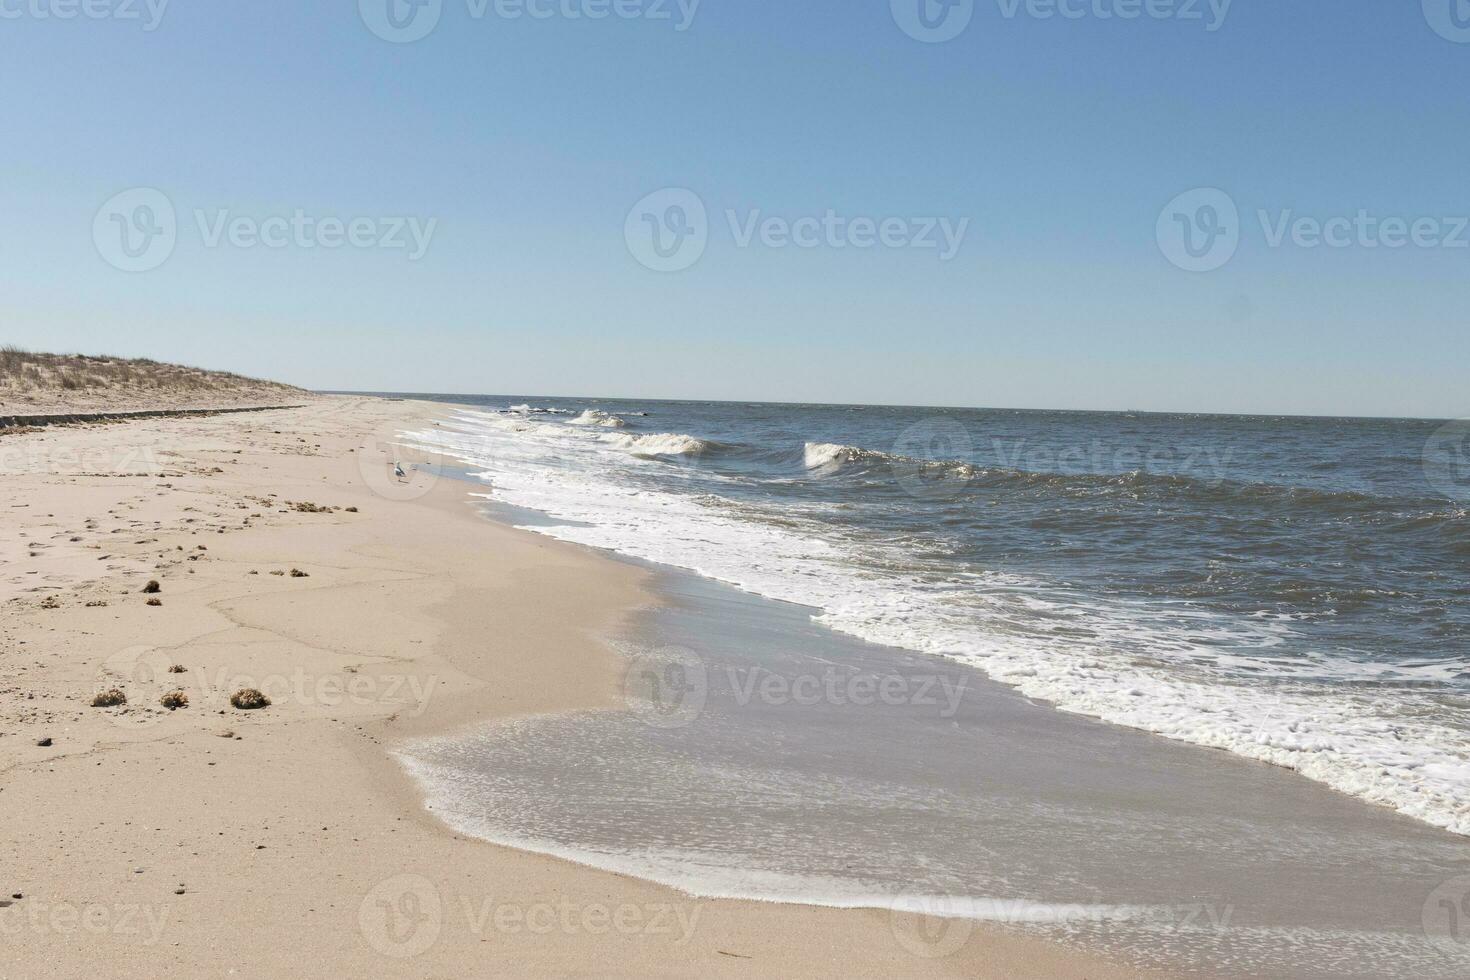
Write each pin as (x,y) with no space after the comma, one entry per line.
(1291,590)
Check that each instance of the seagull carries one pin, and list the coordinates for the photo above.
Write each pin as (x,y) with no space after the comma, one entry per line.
(398,470)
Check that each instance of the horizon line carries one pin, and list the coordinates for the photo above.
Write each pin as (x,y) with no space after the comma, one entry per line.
(939,408)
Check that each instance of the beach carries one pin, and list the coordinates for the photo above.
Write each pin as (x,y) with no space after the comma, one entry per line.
(212,841)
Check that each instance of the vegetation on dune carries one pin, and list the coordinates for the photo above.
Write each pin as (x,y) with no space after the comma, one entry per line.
(26,374)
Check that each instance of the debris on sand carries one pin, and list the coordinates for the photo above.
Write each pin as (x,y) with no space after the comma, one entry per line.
(249,699)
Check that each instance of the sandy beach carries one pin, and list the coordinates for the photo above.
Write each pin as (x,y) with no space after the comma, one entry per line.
(209,841)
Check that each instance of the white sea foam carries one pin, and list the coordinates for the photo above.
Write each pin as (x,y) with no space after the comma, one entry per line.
(595,416)
(1151,668)
(659,444)
(820,454)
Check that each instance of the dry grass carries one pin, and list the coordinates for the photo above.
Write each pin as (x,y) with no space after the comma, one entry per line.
(249,699)
(109,699)
(174,700)
(34,377)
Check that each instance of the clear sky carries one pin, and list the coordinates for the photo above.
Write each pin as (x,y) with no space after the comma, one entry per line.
(518,148)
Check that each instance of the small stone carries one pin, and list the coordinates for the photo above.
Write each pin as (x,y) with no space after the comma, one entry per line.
(44,743)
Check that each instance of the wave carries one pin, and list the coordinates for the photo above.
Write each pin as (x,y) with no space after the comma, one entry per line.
(595,416)
(827,458)
(532,410)
(662,444)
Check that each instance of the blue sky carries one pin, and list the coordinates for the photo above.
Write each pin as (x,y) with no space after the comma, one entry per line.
(522,145)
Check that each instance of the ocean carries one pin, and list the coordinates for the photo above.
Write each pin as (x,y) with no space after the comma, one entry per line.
(1289,590)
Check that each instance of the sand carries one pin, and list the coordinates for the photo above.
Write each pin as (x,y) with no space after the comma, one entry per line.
(214,842)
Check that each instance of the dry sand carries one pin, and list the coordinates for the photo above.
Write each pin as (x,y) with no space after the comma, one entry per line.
(214,842)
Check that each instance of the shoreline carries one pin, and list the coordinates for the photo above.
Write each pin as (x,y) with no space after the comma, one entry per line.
(1337,735)
(1367,917)
(296,824)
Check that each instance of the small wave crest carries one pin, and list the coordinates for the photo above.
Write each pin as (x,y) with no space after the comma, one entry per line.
(595,416)
(827,458)
(534,410)
(662,444)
